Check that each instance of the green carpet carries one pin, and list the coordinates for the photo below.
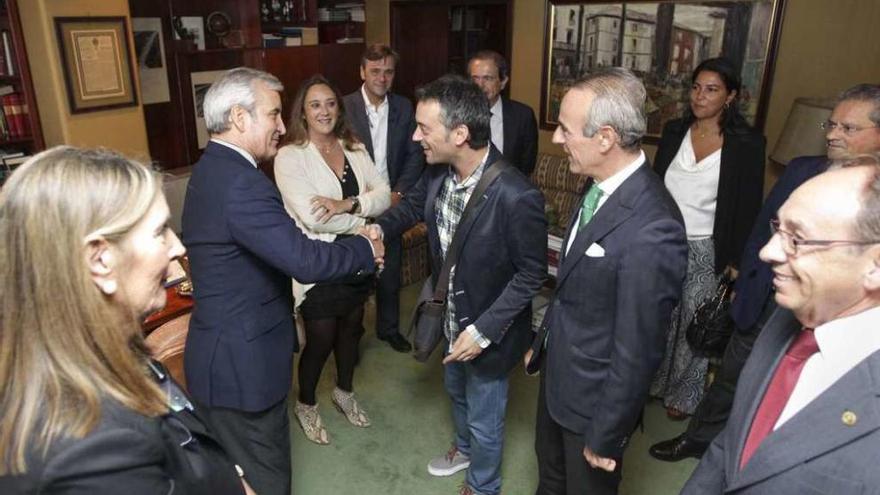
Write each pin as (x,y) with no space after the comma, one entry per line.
(412,423)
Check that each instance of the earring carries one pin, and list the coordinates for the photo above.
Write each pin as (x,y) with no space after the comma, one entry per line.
(726,105)
(109,287)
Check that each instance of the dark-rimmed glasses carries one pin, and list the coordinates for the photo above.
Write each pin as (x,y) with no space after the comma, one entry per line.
(791,243)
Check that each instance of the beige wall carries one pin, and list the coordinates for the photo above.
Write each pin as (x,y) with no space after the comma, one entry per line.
(825,47)
(121,129)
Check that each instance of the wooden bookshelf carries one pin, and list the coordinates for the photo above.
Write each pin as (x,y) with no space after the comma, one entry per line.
(16,78)
(172,132)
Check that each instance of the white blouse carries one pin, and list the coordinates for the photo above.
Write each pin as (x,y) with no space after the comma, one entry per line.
(694,186)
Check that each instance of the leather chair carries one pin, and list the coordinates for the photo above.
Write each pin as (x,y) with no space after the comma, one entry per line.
(167,343)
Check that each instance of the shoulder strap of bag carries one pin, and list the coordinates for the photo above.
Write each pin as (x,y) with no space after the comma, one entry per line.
(489,176)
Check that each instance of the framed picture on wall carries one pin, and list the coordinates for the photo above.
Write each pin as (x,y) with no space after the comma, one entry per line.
(96,61)
(201,81)
(662,42)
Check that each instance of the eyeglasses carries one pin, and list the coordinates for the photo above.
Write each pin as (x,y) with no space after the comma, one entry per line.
(484,79)
(849,130)
(791,243)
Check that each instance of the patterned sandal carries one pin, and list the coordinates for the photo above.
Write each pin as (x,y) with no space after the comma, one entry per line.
(311,424)
(346,404)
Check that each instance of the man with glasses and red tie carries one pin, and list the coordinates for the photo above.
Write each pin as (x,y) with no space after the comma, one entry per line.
(851,131)
(806,418)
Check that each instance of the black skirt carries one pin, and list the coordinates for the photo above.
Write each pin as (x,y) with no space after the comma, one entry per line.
(337,298)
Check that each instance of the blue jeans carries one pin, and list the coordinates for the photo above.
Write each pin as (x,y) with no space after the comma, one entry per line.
(478,407)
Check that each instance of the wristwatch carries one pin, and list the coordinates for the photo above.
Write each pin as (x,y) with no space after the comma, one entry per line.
(355,204)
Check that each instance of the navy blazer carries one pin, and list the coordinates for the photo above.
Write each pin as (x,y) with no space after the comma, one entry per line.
(405,158)
(814,452)
(520,135)
(606,325)
(754,282)
(243,249)
(740,186)
(503,262)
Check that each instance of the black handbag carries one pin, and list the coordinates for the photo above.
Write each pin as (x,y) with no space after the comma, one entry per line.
(426,327)
(711,327)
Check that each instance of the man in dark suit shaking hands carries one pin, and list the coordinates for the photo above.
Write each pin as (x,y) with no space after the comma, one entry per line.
(805,414)
(621,274)
(384,122)
(513,125)
(243,250)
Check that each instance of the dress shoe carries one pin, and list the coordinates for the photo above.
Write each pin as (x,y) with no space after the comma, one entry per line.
(397,342)
(678,448)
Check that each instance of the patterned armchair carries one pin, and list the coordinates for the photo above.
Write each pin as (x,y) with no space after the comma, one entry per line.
(562,190)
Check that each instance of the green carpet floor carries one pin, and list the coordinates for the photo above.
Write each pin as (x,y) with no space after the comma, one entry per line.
(411,420)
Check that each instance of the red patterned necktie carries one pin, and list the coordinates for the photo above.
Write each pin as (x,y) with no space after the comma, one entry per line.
(779,391)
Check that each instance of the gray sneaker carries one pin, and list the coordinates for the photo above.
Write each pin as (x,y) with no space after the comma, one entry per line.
(449,464)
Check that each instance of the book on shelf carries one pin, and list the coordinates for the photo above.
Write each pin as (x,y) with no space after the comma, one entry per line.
(11,161)
(15,113)
(8,65)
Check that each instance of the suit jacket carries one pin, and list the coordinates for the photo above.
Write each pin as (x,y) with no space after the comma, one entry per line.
(520,135)
(605,327)
(740,186)
(754,282)
(814,452)
(243,250)
(503,262)
(132,454)
(405,157)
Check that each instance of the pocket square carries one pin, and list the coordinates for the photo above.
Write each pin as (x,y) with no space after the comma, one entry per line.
(595,251)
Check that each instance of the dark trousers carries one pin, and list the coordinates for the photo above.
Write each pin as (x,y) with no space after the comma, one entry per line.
(388,291)
(259,442)
(562,468)
(712,412)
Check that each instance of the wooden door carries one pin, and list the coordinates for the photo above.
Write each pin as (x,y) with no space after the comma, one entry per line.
(420,34)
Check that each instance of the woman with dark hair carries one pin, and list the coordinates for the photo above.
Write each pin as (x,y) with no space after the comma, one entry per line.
(330,187)
(86,249)
(712,162)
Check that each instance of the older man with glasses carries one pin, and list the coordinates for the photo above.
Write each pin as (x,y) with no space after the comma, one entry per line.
(852,130)
(805,416)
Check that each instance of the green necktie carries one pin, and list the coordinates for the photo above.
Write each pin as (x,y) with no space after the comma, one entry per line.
(591,201)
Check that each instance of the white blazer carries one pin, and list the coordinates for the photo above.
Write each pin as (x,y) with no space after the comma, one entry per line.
(301,173)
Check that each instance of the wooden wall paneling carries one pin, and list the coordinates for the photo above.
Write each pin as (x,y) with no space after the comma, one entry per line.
(422,45)
(340,64)
(165,122)
(292,65)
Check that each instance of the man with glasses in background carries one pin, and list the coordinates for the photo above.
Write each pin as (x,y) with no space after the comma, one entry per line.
(513,124)
(851,131)
(805,416)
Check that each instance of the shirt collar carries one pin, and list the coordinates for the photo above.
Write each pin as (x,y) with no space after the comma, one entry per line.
(369,104)
(472,179)
(847,341)
(496,108)
(609,185)
(239,149)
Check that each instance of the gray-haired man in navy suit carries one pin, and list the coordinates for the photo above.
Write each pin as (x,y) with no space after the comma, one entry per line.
(243,250)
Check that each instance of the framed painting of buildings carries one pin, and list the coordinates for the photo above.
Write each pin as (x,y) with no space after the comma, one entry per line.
(662,42)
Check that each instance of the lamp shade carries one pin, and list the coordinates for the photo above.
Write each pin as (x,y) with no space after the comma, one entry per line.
(802,135)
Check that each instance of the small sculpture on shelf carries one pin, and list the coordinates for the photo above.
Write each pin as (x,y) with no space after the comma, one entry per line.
(219,24)
(278,10)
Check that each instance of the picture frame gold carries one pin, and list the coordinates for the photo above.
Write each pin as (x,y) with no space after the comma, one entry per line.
(96,61)
(661,41)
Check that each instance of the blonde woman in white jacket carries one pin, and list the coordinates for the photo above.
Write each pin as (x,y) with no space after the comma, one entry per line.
(330,187)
